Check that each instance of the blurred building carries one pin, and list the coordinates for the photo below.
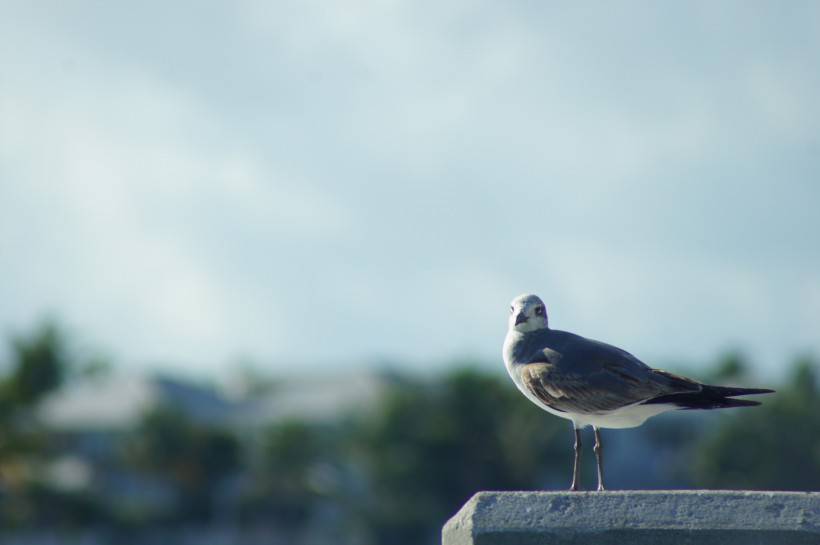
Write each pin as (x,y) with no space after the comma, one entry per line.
(91,420)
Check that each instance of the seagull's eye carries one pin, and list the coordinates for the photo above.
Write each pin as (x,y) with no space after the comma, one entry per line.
(512,309)
(539,311)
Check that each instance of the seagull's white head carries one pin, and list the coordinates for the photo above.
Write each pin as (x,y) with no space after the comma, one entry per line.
(527,313)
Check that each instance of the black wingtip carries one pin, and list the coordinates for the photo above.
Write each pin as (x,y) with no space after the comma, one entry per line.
(726,403)
(711,397)
(734,392)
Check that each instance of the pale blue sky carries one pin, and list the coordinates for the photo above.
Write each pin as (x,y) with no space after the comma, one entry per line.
(329,184)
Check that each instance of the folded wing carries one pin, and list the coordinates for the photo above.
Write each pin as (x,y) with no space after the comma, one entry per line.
(589,377)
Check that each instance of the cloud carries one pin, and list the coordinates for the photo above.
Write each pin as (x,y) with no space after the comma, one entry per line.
(119,195)
(313,182)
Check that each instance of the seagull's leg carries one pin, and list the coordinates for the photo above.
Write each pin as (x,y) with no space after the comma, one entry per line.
(576,468)
(599,457)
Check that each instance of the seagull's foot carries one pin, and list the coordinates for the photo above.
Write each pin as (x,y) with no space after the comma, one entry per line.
(601,488)
(573,487)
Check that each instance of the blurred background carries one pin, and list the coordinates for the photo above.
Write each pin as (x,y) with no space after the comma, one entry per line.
(257,256)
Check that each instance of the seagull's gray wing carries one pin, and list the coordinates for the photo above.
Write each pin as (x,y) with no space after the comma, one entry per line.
(584,376)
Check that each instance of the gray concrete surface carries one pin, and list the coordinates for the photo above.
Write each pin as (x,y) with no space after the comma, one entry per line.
(696,517)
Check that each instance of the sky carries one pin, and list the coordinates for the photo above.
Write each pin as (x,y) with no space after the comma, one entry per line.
(336,185)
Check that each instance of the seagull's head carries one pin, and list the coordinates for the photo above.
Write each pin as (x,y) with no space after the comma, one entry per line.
(527,313)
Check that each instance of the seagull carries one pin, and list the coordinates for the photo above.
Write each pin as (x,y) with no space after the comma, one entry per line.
(596,384)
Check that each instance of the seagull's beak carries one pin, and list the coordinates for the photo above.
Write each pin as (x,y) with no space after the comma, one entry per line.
(521,318)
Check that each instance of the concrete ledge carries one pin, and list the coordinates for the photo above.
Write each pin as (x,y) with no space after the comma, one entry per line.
(697,517)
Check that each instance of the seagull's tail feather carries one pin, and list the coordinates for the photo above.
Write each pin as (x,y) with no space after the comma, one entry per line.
(710,397)
(733,391)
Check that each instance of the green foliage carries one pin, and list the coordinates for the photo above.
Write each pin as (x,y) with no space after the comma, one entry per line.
(775,446)
(41,505)
(429,447)
(39,365)
(284,487)
(193,458)
(730,367)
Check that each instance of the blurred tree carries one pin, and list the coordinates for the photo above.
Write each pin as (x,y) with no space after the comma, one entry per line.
(194,459)
(430,446)
(39,365)
(775,446)
(284,487)
(39,361)
(731,367)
